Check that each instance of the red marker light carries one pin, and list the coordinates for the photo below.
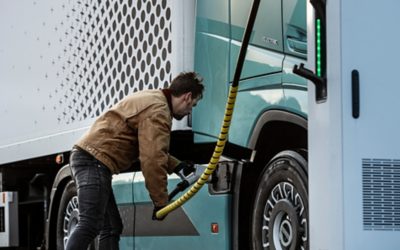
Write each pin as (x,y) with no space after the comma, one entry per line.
(59,159)
(214,228)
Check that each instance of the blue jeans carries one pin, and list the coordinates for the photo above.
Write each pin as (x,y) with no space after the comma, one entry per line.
(98,211)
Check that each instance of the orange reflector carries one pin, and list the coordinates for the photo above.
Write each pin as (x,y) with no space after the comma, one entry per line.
(60,159)
(214,228)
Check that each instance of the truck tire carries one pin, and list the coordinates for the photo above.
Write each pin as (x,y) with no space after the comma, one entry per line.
(280,215)
(68,216)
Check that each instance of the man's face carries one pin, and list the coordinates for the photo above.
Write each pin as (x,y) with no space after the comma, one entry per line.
(185,105)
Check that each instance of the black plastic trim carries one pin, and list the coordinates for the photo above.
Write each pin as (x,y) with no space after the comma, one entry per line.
(237,177)
(137,220)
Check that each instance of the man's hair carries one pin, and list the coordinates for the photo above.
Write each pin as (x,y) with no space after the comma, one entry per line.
(187,82)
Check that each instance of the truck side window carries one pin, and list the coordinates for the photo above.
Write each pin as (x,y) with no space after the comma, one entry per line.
(294,27)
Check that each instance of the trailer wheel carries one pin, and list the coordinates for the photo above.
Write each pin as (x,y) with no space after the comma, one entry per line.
(68,216)
(280,215)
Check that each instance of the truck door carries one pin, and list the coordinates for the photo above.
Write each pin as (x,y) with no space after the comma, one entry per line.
(219,31)
(212,62)
(260,86)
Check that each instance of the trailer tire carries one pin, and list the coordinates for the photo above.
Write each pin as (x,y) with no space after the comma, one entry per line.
(67,217)
(280,212)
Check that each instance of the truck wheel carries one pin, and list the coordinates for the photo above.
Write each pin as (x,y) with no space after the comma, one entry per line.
(68,216)
(280,214)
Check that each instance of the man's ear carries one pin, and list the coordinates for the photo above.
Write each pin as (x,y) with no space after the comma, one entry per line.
(188,96)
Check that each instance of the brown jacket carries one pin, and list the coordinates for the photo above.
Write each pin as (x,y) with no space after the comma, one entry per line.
(138,127)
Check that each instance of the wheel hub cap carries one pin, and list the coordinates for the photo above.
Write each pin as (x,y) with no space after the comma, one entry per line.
(284,225)
(285,233)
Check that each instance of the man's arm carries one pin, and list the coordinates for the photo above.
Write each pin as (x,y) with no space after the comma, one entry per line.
(154,136)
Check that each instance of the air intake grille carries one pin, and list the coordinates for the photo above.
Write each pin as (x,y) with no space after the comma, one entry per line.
(381,194)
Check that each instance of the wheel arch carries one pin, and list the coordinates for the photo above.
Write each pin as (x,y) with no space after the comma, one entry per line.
(271,116)
(60,181)
(275,131)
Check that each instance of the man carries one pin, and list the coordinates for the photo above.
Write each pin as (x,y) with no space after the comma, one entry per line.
(138,127)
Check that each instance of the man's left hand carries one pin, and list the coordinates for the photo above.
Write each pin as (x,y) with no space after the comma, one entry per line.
(155,210)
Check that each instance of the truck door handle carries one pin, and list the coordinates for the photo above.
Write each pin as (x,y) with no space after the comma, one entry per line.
(296,38)
(297,45)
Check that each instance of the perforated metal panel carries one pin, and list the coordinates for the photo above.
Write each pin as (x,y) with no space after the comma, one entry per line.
(111,48)
(381,194)
(64,62)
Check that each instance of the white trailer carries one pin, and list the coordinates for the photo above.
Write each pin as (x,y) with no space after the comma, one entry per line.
(62,63)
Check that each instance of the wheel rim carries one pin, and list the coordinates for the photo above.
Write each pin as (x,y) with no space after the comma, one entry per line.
(71,216)
(284,224)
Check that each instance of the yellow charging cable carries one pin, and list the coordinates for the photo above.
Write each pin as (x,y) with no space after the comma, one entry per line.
(212,165)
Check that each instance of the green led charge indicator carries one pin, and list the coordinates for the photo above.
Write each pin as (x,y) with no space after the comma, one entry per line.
(318,50)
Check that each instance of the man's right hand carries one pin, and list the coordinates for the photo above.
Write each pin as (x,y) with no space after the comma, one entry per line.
(184,169)
(190,172)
